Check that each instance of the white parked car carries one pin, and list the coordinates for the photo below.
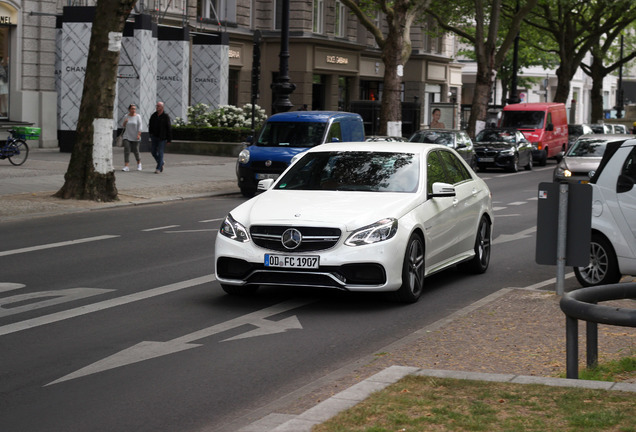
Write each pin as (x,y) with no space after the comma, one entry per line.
(613,246)
(363,216)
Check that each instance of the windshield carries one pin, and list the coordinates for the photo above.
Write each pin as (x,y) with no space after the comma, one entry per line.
(292,134)
(444,138)
(523,119)
(495,136)
(587,148)
(354,171)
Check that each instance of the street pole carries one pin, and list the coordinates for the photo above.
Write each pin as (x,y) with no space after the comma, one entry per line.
(514,97)
(619,95)
(282,88)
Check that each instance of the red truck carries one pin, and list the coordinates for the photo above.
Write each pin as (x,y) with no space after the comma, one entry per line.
(545,125)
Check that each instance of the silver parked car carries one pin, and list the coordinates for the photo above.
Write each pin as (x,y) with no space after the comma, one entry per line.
(583,157)
(458,140)
(613,243)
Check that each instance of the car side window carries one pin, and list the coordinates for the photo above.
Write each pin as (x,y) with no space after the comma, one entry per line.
(434,171)
(455,170)
(335,133)
(629,167)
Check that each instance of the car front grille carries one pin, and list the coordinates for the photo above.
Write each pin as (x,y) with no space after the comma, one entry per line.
(274,168)
(313,238)
(486,153)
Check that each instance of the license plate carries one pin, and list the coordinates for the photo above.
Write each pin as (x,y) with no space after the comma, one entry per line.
(266,176)
(486,160)
(292,261)
(584,181)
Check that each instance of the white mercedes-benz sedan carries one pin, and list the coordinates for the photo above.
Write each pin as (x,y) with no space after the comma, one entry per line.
(363,216)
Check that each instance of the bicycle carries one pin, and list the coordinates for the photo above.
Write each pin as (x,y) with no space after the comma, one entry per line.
(15,148)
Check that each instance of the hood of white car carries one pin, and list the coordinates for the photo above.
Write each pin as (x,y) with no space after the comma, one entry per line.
(351,209)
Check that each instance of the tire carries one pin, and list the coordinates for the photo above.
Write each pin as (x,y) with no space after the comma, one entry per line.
(603,266)
(528,166)
(412,271)
(247,192)
(515,164)
(544,159)
(483,242)
(20,150)
(239,290)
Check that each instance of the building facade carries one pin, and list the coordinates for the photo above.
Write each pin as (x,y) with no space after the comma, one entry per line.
(334,62)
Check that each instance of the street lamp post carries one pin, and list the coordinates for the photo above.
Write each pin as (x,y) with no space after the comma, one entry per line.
(282,88)
(514,97)
(619,95)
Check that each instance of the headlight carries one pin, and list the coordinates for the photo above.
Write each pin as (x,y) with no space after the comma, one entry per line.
(563,171)
(244,156)
(234,230)
(377,232)
(507,152)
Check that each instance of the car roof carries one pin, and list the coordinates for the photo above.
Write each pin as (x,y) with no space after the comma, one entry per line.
(605,137)
(311,116)
(612,147)
(378,146)
(438,130)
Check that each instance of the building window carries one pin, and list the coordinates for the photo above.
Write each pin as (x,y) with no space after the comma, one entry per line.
(278,17)
(318,16)
(219,10)
(341,20)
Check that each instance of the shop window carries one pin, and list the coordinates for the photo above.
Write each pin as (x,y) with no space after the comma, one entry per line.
(233,90)
(319,7)
(4,72)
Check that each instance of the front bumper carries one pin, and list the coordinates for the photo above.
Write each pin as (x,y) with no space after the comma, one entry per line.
(374,267)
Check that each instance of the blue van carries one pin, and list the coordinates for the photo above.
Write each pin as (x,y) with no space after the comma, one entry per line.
(286,134)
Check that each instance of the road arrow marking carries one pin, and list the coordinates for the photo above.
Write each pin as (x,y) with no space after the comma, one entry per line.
(504,238)
(148,350)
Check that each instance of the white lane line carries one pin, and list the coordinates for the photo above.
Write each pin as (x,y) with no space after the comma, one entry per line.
(106,304)
(211,220)
(192,231)
(54,245)
(517,203)
(160,228)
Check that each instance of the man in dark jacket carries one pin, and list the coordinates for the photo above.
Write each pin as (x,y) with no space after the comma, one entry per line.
(160,130)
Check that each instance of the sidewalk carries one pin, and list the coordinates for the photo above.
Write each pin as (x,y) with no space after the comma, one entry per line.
(516,334)
(26,190)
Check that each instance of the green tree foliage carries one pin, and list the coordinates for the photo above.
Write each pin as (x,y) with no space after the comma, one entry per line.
(575,27)
(480,23)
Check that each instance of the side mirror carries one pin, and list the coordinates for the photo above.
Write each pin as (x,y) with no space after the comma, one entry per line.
(249,139)
(263,185)
(442,190)
(549,127)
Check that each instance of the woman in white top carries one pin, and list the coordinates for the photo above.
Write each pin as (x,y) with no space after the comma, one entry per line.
(132,136)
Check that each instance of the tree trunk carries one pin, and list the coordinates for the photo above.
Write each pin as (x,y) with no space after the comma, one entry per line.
(481,97)
(90,173)
(564,75)
(391,107)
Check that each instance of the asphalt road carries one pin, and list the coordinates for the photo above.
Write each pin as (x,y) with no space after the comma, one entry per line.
(112,320)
